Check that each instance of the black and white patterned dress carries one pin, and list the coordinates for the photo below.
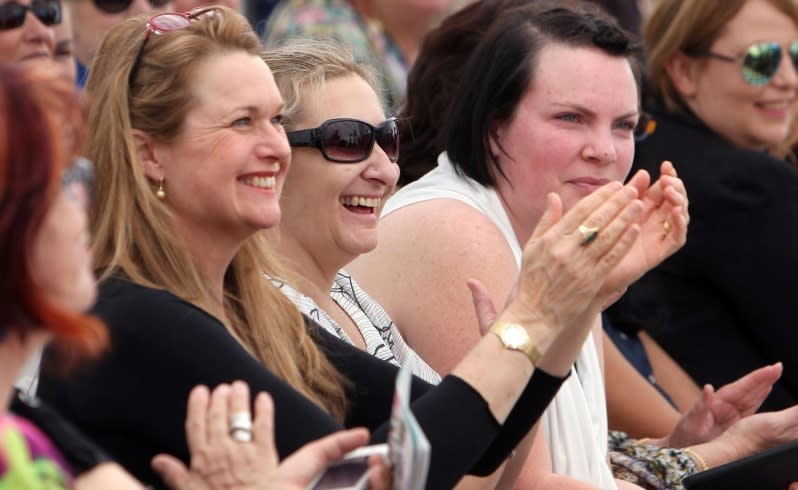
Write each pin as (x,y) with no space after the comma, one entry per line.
(382,338)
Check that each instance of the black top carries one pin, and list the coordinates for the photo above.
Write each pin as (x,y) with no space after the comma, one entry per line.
(725,303)
(132,401)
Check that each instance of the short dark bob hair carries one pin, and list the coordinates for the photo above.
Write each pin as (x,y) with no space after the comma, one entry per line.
(502,69)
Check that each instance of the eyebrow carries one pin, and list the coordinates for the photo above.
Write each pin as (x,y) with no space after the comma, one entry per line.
(254,109)
(585,110)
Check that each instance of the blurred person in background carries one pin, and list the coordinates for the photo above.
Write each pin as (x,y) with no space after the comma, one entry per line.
(26,32)
(92,19)
(386,34)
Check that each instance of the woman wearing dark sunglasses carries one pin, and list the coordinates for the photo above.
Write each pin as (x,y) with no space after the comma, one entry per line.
(25,29)
(191,157)
(343,165)
(723,82)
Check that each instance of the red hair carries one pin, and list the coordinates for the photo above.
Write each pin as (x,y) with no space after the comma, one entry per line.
(41,128)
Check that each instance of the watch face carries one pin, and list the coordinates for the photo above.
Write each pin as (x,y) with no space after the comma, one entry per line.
(515,336)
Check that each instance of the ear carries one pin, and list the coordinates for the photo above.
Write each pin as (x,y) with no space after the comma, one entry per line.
(495,137)
(683,71)
(145,150)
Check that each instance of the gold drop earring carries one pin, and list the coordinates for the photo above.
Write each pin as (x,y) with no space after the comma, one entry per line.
(160,193)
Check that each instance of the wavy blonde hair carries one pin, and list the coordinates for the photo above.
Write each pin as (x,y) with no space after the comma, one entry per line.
(133,231)
(310,63)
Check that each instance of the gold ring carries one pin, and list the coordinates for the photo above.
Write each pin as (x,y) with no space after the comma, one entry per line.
(588,234)
(666,226)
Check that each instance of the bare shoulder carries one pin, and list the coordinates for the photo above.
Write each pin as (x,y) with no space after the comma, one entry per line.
(418,272)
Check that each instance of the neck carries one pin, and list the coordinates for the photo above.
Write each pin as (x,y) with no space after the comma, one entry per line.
(15,353)
(407,39)
(406,35)
(213,252)
(317,269)
(520,229)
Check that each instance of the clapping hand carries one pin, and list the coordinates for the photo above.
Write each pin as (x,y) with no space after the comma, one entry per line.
(230,450)
(663,226)
(715,412)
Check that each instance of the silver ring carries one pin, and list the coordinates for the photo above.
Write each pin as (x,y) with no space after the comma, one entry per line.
(241,426)
(241,435)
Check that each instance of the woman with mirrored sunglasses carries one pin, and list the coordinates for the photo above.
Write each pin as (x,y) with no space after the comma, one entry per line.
(723,84)
(26,32)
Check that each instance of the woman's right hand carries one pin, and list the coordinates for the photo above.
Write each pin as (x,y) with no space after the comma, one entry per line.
(220,462)
(561,276)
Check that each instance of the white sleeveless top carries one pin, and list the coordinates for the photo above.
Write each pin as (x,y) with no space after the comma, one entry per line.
(381,336)
(575,424)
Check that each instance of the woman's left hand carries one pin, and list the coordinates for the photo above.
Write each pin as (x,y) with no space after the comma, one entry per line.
(663,226)
(716,411)
(221,462)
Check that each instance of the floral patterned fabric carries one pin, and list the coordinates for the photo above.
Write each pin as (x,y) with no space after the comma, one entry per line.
(28,460)
(650,467)
(337,19)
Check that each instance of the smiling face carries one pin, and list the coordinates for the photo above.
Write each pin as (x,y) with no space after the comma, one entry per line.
(571,133)
(319,196)
(224,171)
(748,116)
(31,41)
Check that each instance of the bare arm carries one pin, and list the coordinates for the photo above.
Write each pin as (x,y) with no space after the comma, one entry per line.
(650,415)
(677,383)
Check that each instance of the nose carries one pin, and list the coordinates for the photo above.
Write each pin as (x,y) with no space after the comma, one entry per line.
(38,33)
(787,75)
(600,147)
(380,168)
(274,147)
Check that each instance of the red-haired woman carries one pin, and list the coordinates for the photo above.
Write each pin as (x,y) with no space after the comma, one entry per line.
(46,285)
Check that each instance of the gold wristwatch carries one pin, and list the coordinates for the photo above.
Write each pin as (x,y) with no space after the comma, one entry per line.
(515,337)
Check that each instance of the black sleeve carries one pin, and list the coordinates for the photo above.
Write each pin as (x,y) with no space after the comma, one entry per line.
(749,246)
(81,453)
(464,436)
(732,286)
(132,401)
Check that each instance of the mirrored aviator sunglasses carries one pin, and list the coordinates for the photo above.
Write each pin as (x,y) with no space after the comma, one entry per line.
(347,140)
(117,6)
(12,14)
(760,62)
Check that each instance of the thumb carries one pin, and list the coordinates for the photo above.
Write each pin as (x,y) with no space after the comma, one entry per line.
(483,305)
(171,470)
(551,216)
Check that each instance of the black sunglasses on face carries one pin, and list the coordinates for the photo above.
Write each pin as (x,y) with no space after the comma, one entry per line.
(12,14)
(349,140)
(117,6)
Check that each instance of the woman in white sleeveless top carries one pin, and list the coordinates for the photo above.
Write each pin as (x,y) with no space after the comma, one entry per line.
(546,105)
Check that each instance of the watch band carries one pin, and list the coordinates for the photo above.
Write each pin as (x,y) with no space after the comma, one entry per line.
(515,337)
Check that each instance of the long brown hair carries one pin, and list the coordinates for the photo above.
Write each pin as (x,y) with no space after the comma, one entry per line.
(133,231)
(40,132)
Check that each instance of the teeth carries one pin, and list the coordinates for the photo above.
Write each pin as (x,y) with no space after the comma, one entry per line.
(260,182)
(776,105)
(360,201)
